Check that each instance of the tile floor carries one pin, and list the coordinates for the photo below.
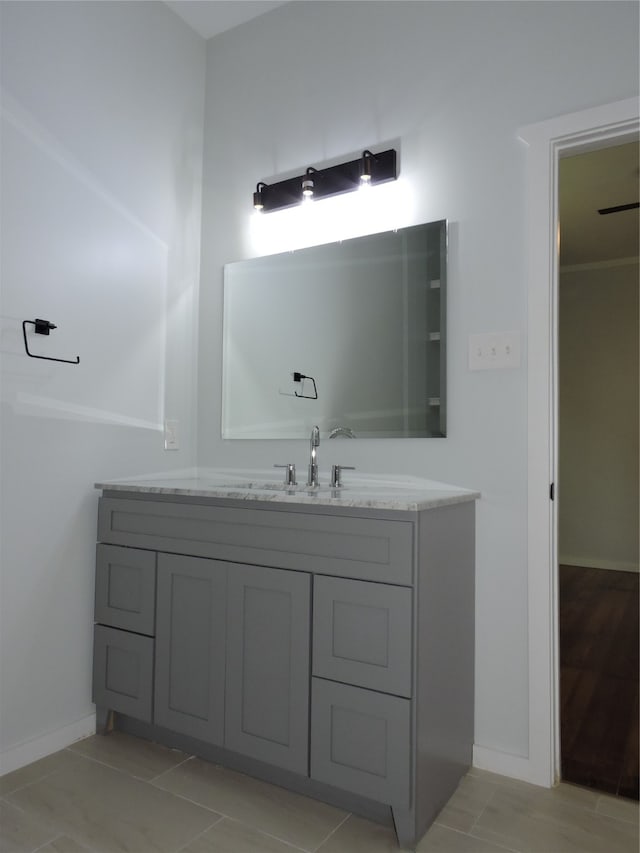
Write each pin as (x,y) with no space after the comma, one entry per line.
(118,793)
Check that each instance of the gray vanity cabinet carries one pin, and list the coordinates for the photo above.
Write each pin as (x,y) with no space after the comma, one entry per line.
(190,646)
(328,649)
(267,687)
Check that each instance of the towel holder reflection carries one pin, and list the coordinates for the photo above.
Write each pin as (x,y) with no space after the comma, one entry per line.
(300,377)
(43,327)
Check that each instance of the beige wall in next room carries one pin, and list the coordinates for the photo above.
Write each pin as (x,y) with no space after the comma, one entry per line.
(598,453)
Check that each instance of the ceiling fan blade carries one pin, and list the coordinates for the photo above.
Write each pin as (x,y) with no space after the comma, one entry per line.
(618,208)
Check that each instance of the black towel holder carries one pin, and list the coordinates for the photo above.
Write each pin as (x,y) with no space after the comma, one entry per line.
(43,327)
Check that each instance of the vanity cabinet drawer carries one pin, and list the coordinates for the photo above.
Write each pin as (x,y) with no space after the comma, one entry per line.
(123,672)
(360,741)
(126,588)
(362,634)
(363,548)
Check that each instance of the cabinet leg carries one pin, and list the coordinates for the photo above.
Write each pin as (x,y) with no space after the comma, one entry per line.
(104,720)
(404,821)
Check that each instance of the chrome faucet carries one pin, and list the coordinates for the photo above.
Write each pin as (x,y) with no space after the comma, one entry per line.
(312,479)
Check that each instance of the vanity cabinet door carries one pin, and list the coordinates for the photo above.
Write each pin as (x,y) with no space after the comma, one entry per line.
(267,697)
(190,646)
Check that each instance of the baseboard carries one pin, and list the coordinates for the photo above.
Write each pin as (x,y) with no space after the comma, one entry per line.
(505,764)
(592,563)
(492,760)
(40,747)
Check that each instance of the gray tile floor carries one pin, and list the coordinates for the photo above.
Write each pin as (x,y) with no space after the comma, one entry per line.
(118,793)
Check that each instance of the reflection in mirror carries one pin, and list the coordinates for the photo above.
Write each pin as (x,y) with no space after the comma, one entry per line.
(350,336)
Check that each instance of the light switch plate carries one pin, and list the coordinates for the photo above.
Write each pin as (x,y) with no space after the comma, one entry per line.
(171,435)
(494,351)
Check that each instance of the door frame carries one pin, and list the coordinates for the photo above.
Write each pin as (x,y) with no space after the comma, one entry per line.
(547,142)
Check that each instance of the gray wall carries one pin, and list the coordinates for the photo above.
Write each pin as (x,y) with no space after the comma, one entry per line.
(449,85)
(102,122)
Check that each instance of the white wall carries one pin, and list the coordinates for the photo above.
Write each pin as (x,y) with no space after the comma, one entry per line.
(102,123)
(448,85)
(598,375)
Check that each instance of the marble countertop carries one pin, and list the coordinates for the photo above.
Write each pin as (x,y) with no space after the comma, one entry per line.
(375,492)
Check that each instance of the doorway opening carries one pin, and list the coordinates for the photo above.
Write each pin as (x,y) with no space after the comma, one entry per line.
(546,142)
(598,438)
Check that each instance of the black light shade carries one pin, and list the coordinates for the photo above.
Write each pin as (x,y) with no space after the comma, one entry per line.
(258,201)
(365,167)
(369,169)
(308,184)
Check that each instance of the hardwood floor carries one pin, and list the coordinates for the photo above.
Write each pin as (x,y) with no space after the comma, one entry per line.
(599,710)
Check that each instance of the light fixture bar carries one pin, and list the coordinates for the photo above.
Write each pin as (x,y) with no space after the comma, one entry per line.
(332,181)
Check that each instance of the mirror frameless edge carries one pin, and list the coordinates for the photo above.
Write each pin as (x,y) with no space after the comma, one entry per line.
(350,336)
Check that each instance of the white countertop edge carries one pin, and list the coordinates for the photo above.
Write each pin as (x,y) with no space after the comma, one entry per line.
(366,490)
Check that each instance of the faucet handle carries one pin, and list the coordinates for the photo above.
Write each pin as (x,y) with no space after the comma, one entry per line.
(289,474)
(336,471)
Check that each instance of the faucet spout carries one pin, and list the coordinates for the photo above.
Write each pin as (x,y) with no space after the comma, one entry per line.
(314,442)
(340,430)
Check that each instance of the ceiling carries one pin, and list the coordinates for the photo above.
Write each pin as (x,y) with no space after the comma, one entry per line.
(210,17)
(598,179)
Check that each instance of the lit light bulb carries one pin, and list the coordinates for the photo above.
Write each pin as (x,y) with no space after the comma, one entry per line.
(307,189)
(365,169)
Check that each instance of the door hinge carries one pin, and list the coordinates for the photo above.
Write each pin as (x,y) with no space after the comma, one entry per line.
(552,491)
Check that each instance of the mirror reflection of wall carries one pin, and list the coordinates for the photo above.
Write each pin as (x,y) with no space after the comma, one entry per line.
(364,319)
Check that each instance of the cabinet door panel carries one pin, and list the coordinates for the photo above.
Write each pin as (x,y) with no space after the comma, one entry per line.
(360,741)
(126,588)
(123,672)
(362,634)
(190,646)
(267,704)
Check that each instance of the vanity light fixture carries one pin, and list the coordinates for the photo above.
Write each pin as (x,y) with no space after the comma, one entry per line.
(368,170)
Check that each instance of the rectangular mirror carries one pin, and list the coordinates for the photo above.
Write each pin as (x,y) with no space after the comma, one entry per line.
(350,336)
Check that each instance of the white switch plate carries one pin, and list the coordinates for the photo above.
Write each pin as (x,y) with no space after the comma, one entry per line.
(171,435)
(494,351)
